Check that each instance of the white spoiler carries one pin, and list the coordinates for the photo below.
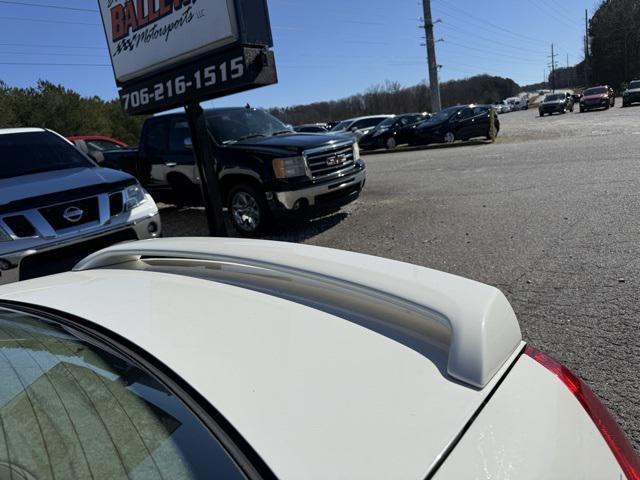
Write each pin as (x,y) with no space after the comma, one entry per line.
(483,326)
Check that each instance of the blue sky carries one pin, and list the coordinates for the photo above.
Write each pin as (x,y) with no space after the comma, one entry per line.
(325,49)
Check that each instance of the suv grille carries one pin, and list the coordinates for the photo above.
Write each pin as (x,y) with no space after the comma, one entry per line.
(330,162)
(72,214)
(115,204)
(20,226)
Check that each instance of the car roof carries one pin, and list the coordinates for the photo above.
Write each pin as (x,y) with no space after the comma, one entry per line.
(7,131)
(314,391)
(356,119)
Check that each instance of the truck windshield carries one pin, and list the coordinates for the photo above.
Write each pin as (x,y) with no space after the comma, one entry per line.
(36,152)
(238,125)
(555,98)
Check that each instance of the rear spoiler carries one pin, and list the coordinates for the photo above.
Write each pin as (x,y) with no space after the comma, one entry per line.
(483,329)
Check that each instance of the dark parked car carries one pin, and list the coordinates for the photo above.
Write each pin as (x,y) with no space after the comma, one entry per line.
(265,170)
(597,97)
(631,94)
(556,103)
(311,128)
(394,131)
(462,122)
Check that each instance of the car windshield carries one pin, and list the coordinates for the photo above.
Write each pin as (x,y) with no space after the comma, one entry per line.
(595,91)
(388,122)
(555,98)
(103,145)
(342,126)
(36,152)
(445,114)
(635,84)
(238,125)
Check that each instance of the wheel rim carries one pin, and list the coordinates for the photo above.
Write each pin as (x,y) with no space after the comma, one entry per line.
(449,137)
(391,144)
(245,211)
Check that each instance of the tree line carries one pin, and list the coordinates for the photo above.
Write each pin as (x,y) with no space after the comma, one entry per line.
(614,34)
(52,106)
(391,97)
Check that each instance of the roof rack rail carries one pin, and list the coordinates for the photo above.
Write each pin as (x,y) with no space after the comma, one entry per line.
(483,326)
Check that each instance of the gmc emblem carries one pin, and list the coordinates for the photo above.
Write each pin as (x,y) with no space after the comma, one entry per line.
(337,160)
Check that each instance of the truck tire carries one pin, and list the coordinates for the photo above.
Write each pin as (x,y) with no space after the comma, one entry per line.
(248,210)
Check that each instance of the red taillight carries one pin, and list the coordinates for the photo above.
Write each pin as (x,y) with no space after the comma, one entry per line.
(612,433)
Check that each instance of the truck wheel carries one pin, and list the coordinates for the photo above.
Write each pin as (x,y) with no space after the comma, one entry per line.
(248,210)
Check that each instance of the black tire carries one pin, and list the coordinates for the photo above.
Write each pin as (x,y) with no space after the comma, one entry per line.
(391,144)
(248,210)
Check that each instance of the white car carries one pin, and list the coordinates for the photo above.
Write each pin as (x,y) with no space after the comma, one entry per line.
(225,359)
(360,126)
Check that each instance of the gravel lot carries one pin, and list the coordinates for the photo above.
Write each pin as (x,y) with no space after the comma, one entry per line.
(548,214)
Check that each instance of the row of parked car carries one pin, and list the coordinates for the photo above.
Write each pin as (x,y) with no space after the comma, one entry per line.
(461,122)
(594,98)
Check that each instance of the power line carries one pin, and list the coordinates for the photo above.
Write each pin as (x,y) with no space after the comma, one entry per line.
(493,41)
(515,57)
(486,23)
(49,54)
(539,55)
(42,20)
(37,64)
(40,5)
(36,45)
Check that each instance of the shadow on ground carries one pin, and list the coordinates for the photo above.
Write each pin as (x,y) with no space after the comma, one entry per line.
(440,146)
(192,222)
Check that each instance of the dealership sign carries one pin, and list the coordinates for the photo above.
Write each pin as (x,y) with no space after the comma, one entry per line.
(166,53)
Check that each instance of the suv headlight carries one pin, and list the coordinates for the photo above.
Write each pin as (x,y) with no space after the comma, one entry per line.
(133,197)
(290,167)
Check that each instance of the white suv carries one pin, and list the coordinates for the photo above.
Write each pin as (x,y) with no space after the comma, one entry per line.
(215,358)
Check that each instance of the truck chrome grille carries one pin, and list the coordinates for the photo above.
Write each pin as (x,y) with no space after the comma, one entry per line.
(330,163)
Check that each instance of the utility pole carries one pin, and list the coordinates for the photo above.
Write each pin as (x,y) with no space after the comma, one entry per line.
(553,69)
(586,48)
(436,104)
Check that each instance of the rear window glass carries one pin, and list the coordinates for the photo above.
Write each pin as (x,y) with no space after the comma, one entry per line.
(72,410)
(37,152)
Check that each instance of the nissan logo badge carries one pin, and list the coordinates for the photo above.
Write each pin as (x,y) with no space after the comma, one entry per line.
(73,214)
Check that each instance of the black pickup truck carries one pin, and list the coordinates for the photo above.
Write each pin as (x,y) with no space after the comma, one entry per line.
(266,171)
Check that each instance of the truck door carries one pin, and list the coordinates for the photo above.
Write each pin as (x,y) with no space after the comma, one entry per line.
(153,151)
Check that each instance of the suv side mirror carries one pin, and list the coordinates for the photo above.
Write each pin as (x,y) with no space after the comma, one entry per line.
(188,144)
(354,129)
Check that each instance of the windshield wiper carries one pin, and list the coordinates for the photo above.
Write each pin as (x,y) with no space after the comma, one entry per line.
(281,132)
(250,136)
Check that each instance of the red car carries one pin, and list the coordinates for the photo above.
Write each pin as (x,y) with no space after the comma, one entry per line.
(597,97)
(97,143)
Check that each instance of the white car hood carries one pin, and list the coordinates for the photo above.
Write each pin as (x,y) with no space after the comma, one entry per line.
(317,396)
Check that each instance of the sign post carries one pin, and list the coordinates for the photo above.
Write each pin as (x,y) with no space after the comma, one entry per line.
(168,54)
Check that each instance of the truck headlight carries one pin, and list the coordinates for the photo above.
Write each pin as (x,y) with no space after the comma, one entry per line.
(356,152)
(289,167)
(133,197)
(4,236)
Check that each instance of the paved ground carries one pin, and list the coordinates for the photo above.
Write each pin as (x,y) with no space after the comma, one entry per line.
(549,214)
